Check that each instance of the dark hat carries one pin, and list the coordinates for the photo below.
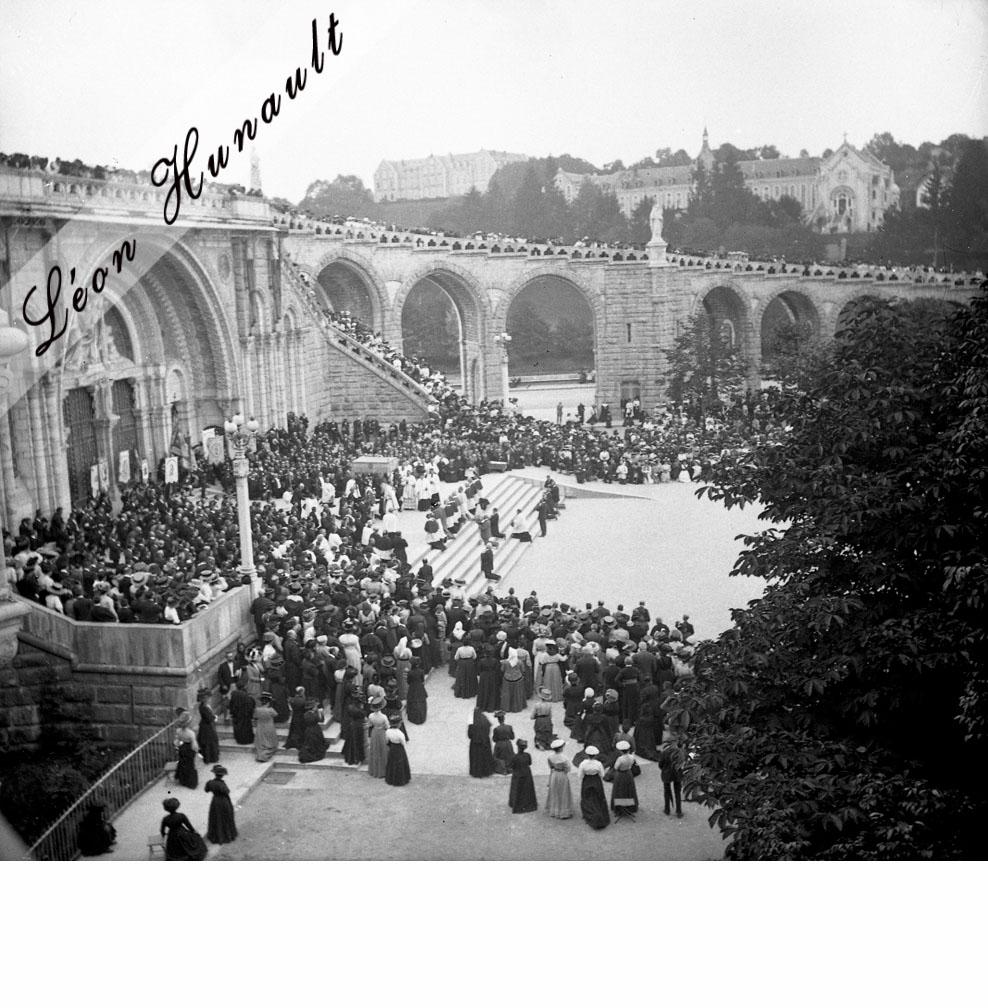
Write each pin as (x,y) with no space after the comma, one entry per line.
(522,744)
(220,771)
(170,804)
(203,691)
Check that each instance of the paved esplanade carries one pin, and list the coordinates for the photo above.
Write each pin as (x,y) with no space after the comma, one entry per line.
(656,543)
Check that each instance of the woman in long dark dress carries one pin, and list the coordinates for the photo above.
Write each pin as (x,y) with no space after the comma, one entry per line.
(296,727)
(416,706)
(597,730)
(645,744)
(397,772)
(221,827)
(481,755)
(313,745)
(624,794)
(521,797)
(593,803)
(504,751)
(96,835)
(183,843)
(279,693)
(352,729)
(186,745)
(488,694)
(209,743)
(242,715)
(513,683)
(465,686)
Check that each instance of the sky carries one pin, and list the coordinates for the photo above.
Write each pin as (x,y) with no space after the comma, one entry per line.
(120,83)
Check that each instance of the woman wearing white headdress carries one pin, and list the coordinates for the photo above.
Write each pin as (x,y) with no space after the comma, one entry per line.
(465,659)
(512,683)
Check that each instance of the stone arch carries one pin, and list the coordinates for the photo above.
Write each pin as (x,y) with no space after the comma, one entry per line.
(466,293)
(185,279)
(784,307)
(727,303)
(362,270)
(595,301)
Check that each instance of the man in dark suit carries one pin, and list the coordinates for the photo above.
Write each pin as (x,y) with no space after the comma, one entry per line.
(225,676)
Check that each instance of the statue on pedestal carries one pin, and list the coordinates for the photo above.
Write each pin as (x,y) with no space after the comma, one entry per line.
(655,222)
(657,245)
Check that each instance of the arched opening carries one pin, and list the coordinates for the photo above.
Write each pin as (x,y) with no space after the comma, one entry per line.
(790,324)
(551,324)
(441,326)
(347,291)
(724,305)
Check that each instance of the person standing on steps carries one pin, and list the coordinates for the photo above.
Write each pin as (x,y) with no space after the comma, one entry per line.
(543,513)
(209,743)
(487,563)
(559,413)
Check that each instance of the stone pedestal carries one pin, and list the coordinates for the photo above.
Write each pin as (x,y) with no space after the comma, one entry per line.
(657,252)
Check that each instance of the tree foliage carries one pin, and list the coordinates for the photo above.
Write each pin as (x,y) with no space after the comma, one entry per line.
(844,714)
(705,366)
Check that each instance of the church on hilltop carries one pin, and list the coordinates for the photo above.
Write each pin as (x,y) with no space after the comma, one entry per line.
(850,190)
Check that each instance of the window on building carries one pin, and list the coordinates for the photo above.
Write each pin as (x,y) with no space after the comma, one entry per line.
(628,326)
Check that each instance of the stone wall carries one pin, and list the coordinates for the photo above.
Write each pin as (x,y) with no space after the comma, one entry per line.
(341,385)
(43,700)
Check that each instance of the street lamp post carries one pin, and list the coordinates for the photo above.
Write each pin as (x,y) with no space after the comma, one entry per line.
(504,341)
(12,342)
(242,436)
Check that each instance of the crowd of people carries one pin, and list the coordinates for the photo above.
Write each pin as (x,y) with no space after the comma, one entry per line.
(172,550)
(348,653)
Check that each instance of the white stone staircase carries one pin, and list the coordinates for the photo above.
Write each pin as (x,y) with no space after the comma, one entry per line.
(461,558)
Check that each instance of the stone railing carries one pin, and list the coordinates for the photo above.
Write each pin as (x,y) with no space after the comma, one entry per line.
(75,193)
(392,373)
(857,273)
(149,648)
(389,235)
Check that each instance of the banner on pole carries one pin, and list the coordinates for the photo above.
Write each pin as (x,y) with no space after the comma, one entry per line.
(145,470)
(171,469)
(123,467)
(214,450)
(94,479)
(104,474)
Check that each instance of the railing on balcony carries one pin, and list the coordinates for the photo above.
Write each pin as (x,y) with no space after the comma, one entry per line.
(31,185)
(142,648)
(116,789)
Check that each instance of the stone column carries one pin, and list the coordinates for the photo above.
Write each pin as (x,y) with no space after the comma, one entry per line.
(263,379)
(247,392)
(39,444)
(57,440)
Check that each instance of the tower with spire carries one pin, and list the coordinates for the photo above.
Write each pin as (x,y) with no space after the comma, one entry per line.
(706,155)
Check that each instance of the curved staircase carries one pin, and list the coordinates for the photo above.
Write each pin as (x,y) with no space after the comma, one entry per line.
(354,349)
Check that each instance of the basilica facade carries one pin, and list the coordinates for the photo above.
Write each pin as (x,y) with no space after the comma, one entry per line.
(848,191)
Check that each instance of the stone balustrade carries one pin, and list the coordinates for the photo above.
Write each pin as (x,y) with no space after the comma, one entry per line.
(142,649)
(69,192)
